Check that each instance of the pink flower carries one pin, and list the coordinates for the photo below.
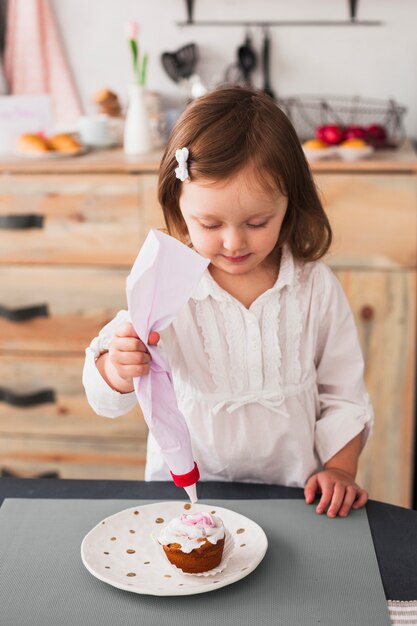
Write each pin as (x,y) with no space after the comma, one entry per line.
(140,63)
(132,29)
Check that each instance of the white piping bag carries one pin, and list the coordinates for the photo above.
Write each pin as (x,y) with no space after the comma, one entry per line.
(161,281)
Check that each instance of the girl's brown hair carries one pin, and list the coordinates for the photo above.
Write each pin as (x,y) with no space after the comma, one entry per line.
(228,129)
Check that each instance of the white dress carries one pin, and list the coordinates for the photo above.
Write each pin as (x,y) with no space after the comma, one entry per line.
(269,393)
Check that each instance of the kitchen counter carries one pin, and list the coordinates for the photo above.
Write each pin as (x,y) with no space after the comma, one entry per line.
(402,160)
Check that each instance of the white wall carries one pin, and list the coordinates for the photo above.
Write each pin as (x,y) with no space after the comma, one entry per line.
(379,62)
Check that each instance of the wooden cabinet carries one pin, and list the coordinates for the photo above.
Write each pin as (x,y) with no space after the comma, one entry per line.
(384,306)
(374,218)
(67,242)
(68,238)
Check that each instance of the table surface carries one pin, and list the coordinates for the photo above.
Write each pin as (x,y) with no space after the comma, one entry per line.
(393,529)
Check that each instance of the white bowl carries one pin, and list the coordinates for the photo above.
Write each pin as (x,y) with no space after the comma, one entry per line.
(354,154)
(316,154)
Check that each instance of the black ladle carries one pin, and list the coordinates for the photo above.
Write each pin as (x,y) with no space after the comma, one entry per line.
(247,59)
(266,50)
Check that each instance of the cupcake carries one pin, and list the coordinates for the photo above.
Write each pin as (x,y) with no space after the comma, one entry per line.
(194,543)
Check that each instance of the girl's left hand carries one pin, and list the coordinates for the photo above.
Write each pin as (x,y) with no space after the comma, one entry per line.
(339,492)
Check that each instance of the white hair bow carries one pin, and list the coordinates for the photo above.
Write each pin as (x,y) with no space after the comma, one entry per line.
(181,171)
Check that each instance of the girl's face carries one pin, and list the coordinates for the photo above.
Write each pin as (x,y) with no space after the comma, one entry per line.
(236,223)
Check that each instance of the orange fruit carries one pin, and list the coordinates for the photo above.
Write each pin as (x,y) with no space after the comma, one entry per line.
(315,144)
(354,143)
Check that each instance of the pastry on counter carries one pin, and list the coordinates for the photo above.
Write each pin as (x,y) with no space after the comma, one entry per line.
(108,103)
(64,142)
(33,143)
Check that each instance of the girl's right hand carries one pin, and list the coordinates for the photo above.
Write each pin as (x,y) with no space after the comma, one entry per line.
(127,358)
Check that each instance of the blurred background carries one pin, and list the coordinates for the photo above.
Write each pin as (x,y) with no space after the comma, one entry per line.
(88,94)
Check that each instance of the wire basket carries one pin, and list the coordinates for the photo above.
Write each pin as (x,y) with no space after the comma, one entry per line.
(307,113)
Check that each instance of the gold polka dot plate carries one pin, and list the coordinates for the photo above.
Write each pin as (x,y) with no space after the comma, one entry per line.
(121,550)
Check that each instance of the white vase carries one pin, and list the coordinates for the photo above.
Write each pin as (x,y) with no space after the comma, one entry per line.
(137,132)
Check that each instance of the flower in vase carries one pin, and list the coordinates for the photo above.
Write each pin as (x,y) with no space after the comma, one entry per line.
(140,64)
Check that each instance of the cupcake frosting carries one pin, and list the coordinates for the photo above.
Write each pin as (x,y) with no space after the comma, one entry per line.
(189,531)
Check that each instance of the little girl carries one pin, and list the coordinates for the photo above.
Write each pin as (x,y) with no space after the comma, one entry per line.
(265,358)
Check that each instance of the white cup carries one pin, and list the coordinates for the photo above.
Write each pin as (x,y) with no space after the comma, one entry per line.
(95,131)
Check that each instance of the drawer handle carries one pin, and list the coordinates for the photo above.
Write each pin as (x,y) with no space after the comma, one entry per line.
(6,473)
(24,314)
(21,222)
(45,396)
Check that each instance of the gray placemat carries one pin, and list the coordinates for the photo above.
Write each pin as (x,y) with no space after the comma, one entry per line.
(316,571)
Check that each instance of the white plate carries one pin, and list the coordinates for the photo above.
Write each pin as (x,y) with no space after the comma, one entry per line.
(50,154)
(120,550)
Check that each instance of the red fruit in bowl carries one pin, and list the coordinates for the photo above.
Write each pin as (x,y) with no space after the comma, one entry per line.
(376,133)
(320,132)
(355,132)
(330,134)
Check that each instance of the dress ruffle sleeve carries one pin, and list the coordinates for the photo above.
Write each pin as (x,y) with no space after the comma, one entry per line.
(104,400)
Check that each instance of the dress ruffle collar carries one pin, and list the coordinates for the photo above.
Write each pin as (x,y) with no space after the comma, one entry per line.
(208,286)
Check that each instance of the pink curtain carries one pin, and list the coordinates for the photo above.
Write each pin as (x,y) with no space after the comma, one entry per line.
(35,61)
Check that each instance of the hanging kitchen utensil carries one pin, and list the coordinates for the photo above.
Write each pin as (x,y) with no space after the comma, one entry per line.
(235,72)
(187,57)
(180,64)
(180,67)
(170,65)
(247,59)
(266,51)
(234,75)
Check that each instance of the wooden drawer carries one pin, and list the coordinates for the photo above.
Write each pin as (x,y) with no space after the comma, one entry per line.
(64,435)
(374,218)
(29,457)
(76,303)
(92,219)
(384,306)
(69,414)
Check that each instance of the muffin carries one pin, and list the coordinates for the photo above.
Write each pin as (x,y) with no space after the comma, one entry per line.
(107,102)
(194,543)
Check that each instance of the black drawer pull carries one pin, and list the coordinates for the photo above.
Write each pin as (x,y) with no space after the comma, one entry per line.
(6,473)
(20,222)
(45,396)
(24,314)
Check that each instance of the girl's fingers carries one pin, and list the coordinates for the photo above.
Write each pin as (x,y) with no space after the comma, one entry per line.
(361,500)
(126,330)
(127,344)
(130,358)
(339,492)
(132,371)
(153,338)
(310,489)
(326,496)
(350,497)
